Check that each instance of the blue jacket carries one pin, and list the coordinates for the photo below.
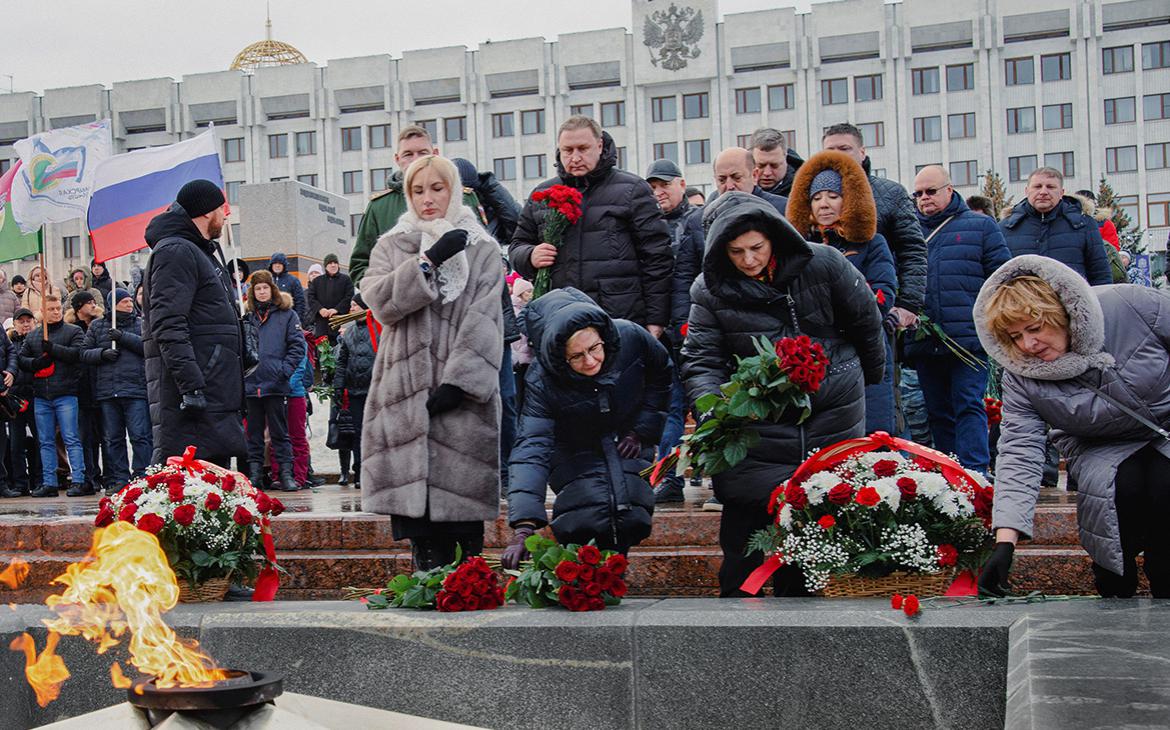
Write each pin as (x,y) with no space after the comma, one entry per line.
(302,379)
(281,348)
(875,262)
(291,285)
(959,259)
(1065,233)
(124,377)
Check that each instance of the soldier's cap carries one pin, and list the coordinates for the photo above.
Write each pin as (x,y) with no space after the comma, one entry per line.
(663,170)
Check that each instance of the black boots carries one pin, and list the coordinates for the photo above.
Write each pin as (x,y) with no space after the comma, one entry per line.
(343,480)
(256,474)
(288,482)
(45,491)
(80,489)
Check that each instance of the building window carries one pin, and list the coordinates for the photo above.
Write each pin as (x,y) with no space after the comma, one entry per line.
(455,129)
(534,167)
(380,136)
(613,114)
(278,178)
(781,96)
(1157,210)
(1121,159)
(621,158)
(581,110)
(351,182)
(71,246)
(1019,71)
(695,106)
(867,88)
(351,139)
(355,222)
(5,166)
(503,125)
(1058,116)
(924,80)
(789,138)
(505,168)
(961,77)
(1156,106)
(918,168)
(232,187)
(961,126)
(1158,156)
(1120,111)
(1021,119)
(308,179)
(663,109)
(743,140)
(1129,204)
(306,144)
(431,125)
(1020,167)
(1062,161)
(233,150)
(667,151)
(747,101)
(873,134)
(1117,60)
(1056,67)
(1155,55)
(277,146)
(964,173)
(532,121)
(834,91)
(698,151)
(380,178)
(927,129)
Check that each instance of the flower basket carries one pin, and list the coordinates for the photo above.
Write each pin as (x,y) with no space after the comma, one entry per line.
(852,585)
(209,591)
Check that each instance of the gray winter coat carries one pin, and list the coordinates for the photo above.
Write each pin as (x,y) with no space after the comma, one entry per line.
(1119,341)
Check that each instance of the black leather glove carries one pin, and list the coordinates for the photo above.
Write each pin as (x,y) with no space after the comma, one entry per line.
(193,403)
(47,348)
(445,398)
(116,335)
(993,580)
(110,355)
(629,447)
(449,244)
(516,553)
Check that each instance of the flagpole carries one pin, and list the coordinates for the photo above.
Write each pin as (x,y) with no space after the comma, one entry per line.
(235,273)
(44,291)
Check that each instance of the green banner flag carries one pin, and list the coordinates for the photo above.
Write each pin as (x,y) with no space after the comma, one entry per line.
(13,243)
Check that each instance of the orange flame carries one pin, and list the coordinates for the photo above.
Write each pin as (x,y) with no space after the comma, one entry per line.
(45,673)
(117,677)
(14,574)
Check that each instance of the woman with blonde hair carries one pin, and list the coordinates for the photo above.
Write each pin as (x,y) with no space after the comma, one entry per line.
(38,286)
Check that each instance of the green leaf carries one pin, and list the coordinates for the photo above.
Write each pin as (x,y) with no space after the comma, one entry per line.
(734,453)
(377,601)
(400,583)
(706,402)
(202,558)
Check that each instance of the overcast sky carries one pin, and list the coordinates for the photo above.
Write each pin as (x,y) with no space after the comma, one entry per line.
(55,43)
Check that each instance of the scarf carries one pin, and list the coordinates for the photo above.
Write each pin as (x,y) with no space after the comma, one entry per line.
(453,273)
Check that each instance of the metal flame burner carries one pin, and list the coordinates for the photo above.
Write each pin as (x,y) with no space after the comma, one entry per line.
(221,705)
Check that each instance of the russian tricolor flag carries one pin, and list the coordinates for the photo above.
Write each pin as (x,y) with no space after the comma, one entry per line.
(130,189)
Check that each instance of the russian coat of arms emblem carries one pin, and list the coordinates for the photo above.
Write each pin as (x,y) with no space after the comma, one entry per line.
(673,35)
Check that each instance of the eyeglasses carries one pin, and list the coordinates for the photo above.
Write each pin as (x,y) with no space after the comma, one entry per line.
(594,352)
(929,191)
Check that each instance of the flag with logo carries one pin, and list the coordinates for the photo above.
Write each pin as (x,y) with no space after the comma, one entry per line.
(14,243)
(56,173)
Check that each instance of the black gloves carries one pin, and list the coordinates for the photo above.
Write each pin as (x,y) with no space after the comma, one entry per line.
(42,361)
(515,553)
(110,355)
(193,403)
(629,447)
(116,335)
(449,244)
(445,398)
(890,323)
(993,580)
(47,347)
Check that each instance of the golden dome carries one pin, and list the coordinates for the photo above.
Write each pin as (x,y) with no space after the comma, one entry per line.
(267,53)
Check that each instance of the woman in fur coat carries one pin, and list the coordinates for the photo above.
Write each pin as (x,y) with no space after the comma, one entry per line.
(431,430)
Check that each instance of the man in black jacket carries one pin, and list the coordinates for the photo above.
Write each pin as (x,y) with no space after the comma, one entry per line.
(735,169)
(329,294)
(191,336)
(8,373)
(499,208)
(56,382)
(619,251)
(776,165)
(22,430)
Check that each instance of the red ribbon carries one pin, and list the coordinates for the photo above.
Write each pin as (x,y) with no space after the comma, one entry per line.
(269,579)
(760,575)
(963,585)
(187,461)
(375,328)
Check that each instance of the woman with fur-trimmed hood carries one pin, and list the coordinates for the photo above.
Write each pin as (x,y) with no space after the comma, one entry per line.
(431,430)
(1091,363)
(831,203)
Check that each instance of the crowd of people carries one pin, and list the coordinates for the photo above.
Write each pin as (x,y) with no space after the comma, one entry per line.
(451,381)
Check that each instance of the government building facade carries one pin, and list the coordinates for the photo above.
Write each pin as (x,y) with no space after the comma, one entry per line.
(974,85)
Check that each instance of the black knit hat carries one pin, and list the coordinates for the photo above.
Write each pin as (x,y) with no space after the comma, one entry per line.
(199,197)
(18,279)
(79,299)
(331,258)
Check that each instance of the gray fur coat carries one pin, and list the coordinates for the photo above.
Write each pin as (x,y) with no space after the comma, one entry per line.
(412,464)
(1119,340)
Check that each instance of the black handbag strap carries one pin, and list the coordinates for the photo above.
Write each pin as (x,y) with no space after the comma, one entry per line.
(1130,412)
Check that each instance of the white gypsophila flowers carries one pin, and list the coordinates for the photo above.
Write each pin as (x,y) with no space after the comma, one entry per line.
(908,546)
(817,555)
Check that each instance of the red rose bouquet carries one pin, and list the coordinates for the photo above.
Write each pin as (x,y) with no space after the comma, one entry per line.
(774,385)
(563,205)
(210,522)
(458,586)
(578,577)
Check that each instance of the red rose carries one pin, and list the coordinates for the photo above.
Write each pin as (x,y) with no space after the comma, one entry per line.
(924,463)
(596,604)
(155,479)
(566,596)
(896,601)
(827,522)
(795,496)
(277,506)
(242,516)
(228,484)
(263,502)
(449,602)
(567,571)
(885,468)
(131,495)
(618,589)
(910,605)
(947,555)
(213,501)
(175,492)
(185,514)
(617,563)
(209,478)
(104,517)
(174,478)
(841,494)
(908,487)
(585,573)
(126,514)
(589,554)
(983,501)
(591,589)
(605,578)
(150,522)
(867,497)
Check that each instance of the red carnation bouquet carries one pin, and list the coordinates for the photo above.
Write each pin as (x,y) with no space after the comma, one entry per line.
(578,577)
(564,209)
(775,385)
(459,586)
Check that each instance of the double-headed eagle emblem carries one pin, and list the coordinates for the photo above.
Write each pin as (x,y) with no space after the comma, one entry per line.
(673,35)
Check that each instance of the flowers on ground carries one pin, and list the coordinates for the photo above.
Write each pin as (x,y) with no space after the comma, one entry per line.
(458,586)
(578,577)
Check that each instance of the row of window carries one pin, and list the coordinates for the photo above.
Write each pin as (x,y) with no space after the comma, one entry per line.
(1119,59)
(865,88)
(533,167)
(531,122)
(1124,109)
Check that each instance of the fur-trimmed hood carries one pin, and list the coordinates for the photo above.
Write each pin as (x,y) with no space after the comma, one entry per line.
(858,222)
(1086,323)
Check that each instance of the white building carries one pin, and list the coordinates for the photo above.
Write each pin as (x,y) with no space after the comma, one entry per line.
(1082,85)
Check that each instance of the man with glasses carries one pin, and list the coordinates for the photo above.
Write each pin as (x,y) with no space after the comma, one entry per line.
(963,248)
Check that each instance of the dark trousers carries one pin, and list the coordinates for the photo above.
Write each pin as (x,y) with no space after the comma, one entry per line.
(954,404)
(357,408)
(122,417)
(507,415)
(89,422)
(22,440)
(1142,496)
(272,412)
(735,527)
(879,398)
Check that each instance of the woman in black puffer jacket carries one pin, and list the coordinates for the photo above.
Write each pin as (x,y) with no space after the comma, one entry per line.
(594,408)
(760,277)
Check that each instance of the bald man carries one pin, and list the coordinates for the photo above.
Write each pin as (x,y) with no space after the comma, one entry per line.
(735,169)
(963,248)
